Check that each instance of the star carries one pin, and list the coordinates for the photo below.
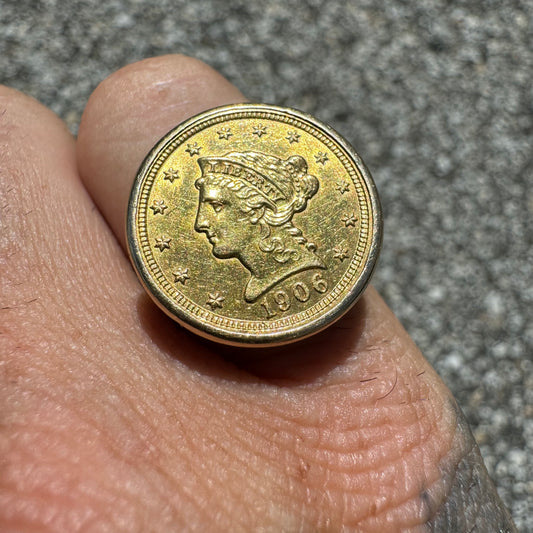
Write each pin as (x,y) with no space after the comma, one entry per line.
(343,187)
(159,207)
(260,130)
(193,149)
(321,157)
(181,275)
(171,175)
(340,253)
(224,133)
(293,137)
(349,220)
(163,243)
(215,300)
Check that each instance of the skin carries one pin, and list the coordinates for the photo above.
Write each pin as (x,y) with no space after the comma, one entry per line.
(114,419)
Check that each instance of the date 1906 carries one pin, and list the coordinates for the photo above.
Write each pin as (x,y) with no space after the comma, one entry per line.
(281,300)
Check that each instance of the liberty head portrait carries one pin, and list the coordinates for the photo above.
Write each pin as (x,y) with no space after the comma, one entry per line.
(246,205)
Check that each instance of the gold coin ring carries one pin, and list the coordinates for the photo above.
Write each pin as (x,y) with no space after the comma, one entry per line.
(254,225)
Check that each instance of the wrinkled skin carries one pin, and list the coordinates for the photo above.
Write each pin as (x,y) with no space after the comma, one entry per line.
(112,418)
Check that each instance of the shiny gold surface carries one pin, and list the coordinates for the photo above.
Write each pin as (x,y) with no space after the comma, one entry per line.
(254,224)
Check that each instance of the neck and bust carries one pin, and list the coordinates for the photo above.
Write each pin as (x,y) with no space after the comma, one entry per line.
(275,257)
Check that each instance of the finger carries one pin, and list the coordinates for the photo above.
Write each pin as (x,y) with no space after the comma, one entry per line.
(132,110)
(52,234)
(59,271)
(351,428)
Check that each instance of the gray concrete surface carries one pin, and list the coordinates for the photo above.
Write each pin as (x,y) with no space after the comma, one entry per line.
(437,97)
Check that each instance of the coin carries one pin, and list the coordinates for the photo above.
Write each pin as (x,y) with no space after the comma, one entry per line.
(254,225)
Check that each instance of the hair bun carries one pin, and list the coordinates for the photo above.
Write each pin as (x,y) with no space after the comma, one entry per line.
(298,163)
(305,188)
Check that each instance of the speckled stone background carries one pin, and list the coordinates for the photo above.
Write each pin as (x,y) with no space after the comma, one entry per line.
(438,98)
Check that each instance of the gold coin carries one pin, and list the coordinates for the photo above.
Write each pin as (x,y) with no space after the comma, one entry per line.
(254,224)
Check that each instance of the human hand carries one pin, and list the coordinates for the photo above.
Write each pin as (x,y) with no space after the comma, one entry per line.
(116,419)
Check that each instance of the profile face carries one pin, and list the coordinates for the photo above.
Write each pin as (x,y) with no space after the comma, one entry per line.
(227,227)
